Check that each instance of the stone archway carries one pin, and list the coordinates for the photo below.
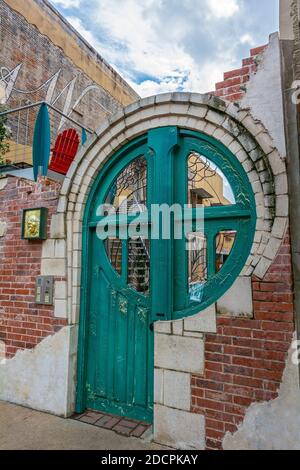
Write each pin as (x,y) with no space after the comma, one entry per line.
(250,142)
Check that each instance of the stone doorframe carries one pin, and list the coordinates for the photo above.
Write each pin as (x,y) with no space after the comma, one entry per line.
(252,145)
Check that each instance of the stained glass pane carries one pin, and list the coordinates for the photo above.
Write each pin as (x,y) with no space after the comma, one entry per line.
(207,185)
(197,261)
(128,193)
(224,244)
(113,248)
(139,265)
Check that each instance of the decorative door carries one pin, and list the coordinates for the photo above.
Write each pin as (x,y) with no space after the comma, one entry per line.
(139,268)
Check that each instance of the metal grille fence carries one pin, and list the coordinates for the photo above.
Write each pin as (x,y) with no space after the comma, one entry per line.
(18,130)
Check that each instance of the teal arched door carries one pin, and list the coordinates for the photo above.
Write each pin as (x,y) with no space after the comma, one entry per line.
(137,271)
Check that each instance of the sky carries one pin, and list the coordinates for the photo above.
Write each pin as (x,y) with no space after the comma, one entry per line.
(159,46)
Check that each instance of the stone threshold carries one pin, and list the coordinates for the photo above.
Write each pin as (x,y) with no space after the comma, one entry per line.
(124,426)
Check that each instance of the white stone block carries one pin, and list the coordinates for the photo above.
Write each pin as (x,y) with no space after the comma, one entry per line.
(203,322)
(272,248)
(219,134)
(281,184)
(235,147)
(60,248)
(179,96)
(163,98)
(178,327)
(57,227)
(279,227)
(215,118)
(60,308)
(177,390)
(159,386)
(193,334)
(163,327)
(238,299)
(282,206)
(62,204)
(253,127)
(262,268)
(77,241)
(179,353)
(53,267)
(76,259)
(60,290)
(227,139)
(76,277)
(179,429)
(48,249)
(242,156)
(276,163)
(209,129)
(265,142)
(198,111)
(253,176)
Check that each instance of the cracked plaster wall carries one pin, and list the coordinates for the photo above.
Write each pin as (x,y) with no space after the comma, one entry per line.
(273,425)
(43,378)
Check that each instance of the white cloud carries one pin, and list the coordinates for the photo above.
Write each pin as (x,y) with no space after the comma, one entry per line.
(168,45)
(67,3)
(87,35)
(223,8)
(148,51)
(247,39)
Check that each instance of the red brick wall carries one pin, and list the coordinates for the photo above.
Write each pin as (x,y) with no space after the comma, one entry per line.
(245,360)
(232,88)
(23,324)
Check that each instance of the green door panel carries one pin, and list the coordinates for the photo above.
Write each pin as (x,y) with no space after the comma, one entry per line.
(120,343)
(118,308)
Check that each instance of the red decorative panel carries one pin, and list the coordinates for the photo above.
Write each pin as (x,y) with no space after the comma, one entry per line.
(64,151)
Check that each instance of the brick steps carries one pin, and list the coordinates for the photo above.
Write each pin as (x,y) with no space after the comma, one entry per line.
(232,88)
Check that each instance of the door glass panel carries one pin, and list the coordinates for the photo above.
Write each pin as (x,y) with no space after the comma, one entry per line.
(224,244)
(139,265)
(128,193)
(113,247)
(207,185)
(197,265)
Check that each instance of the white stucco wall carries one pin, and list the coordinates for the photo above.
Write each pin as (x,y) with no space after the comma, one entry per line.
(264,94)
(43,378)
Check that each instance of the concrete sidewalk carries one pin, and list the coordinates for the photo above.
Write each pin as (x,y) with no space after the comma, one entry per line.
(25,429)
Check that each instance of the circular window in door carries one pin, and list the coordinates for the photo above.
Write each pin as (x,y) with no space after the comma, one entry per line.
(176,276)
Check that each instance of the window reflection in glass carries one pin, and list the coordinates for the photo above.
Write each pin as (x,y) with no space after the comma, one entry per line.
(113,247)
(139,265)
(224,244)
(128,193)
(197,265)
(207,185)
